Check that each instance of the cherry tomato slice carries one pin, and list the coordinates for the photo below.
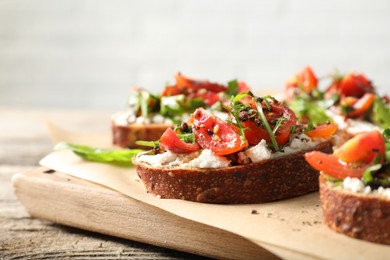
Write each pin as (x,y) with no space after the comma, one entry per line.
(243,87)
(363,148)
(306,79)
(184,82)
(362,105)
(209,97)
(355,85)
(255,134)
(214,134)
(171,91)
(170,141)
(333,166)
(309,79)
(322,130)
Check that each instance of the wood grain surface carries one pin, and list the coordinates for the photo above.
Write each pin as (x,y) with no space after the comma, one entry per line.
(23,142)
(79,203)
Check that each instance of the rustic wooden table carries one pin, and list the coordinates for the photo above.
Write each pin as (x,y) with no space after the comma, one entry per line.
(23,142)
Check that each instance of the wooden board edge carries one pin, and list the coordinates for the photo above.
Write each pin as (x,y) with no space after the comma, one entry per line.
(70,201)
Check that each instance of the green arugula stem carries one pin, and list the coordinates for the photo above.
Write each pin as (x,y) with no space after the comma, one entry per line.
(267,127)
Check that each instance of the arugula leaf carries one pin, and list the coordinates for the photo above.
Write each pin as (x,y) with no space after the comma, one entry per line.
(232,88)
(266,125)
(278,124)
(187,137)
(368,173)
(314,110)
(236,108)
(172,105)
(118,157)
(194,103)
(381,112)
(153,144)
(386,136)
(142,102)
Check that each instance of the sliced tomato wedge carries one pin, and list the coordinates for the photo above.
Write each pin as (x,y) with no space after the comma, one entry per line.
(255,134)
(333,166)
(214,134)
(309,79)
(325,130)
(209,97)
(306,79)
(184,82)
(363,148)
(243,87)
(171,91)
(355,85)
(333,89)
(362,105)
(171,142)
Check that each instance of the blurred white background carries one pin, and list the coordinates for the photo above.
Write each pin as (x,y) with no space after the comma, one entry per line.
(87,54)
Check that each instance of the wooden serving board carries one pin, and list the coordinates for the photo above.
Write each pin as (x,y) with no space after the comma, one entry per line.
(70,201)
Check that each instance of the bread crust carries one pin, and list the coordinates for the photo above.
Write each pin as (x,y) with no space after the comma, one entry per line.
(269,180)
(356,215)
(126,135)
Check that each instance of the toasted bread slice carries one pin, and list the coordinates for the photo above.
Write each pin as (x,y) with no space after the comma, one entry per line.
(362,216)
(126,135)
(269,180)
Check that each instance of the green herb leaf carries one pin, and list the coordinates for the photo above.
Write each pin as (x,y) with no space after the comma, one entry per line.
(236,108)
(278,124)
(267,127)
(153,144)
(381,112)
(172,106)
(313,110)
(117,157)
(187,137)
(194,103)
(142,102)
(368,173)
(237,98)
(232,88)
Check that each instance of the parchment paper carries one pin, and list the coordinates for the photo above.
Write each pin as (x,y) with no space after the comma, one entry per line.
(294,224)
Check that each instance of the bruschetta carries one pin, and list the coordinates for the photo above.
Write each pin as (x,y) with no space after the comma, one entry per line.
(256,155)
(149,115)
(355,186)
(349,100)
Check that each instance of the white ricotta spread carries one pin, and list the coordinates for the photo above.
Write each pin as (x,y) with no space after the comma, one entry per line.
(355,185)
(208,160)
(128,117)
(259,152)
(298,143)
(352,126)
(158,159)
(203,160)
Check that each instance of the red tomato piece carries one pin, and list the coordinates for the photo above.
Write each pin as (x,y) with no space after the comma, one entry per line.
(333,166)
(184,82)
(255,134)
(214,134)
(325,130)
(243,87)
(306,79)
(362,105)
(333,89)
(309,80)
(171,91)
(209,97)
(171,142)
(355,85)
(363,148)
